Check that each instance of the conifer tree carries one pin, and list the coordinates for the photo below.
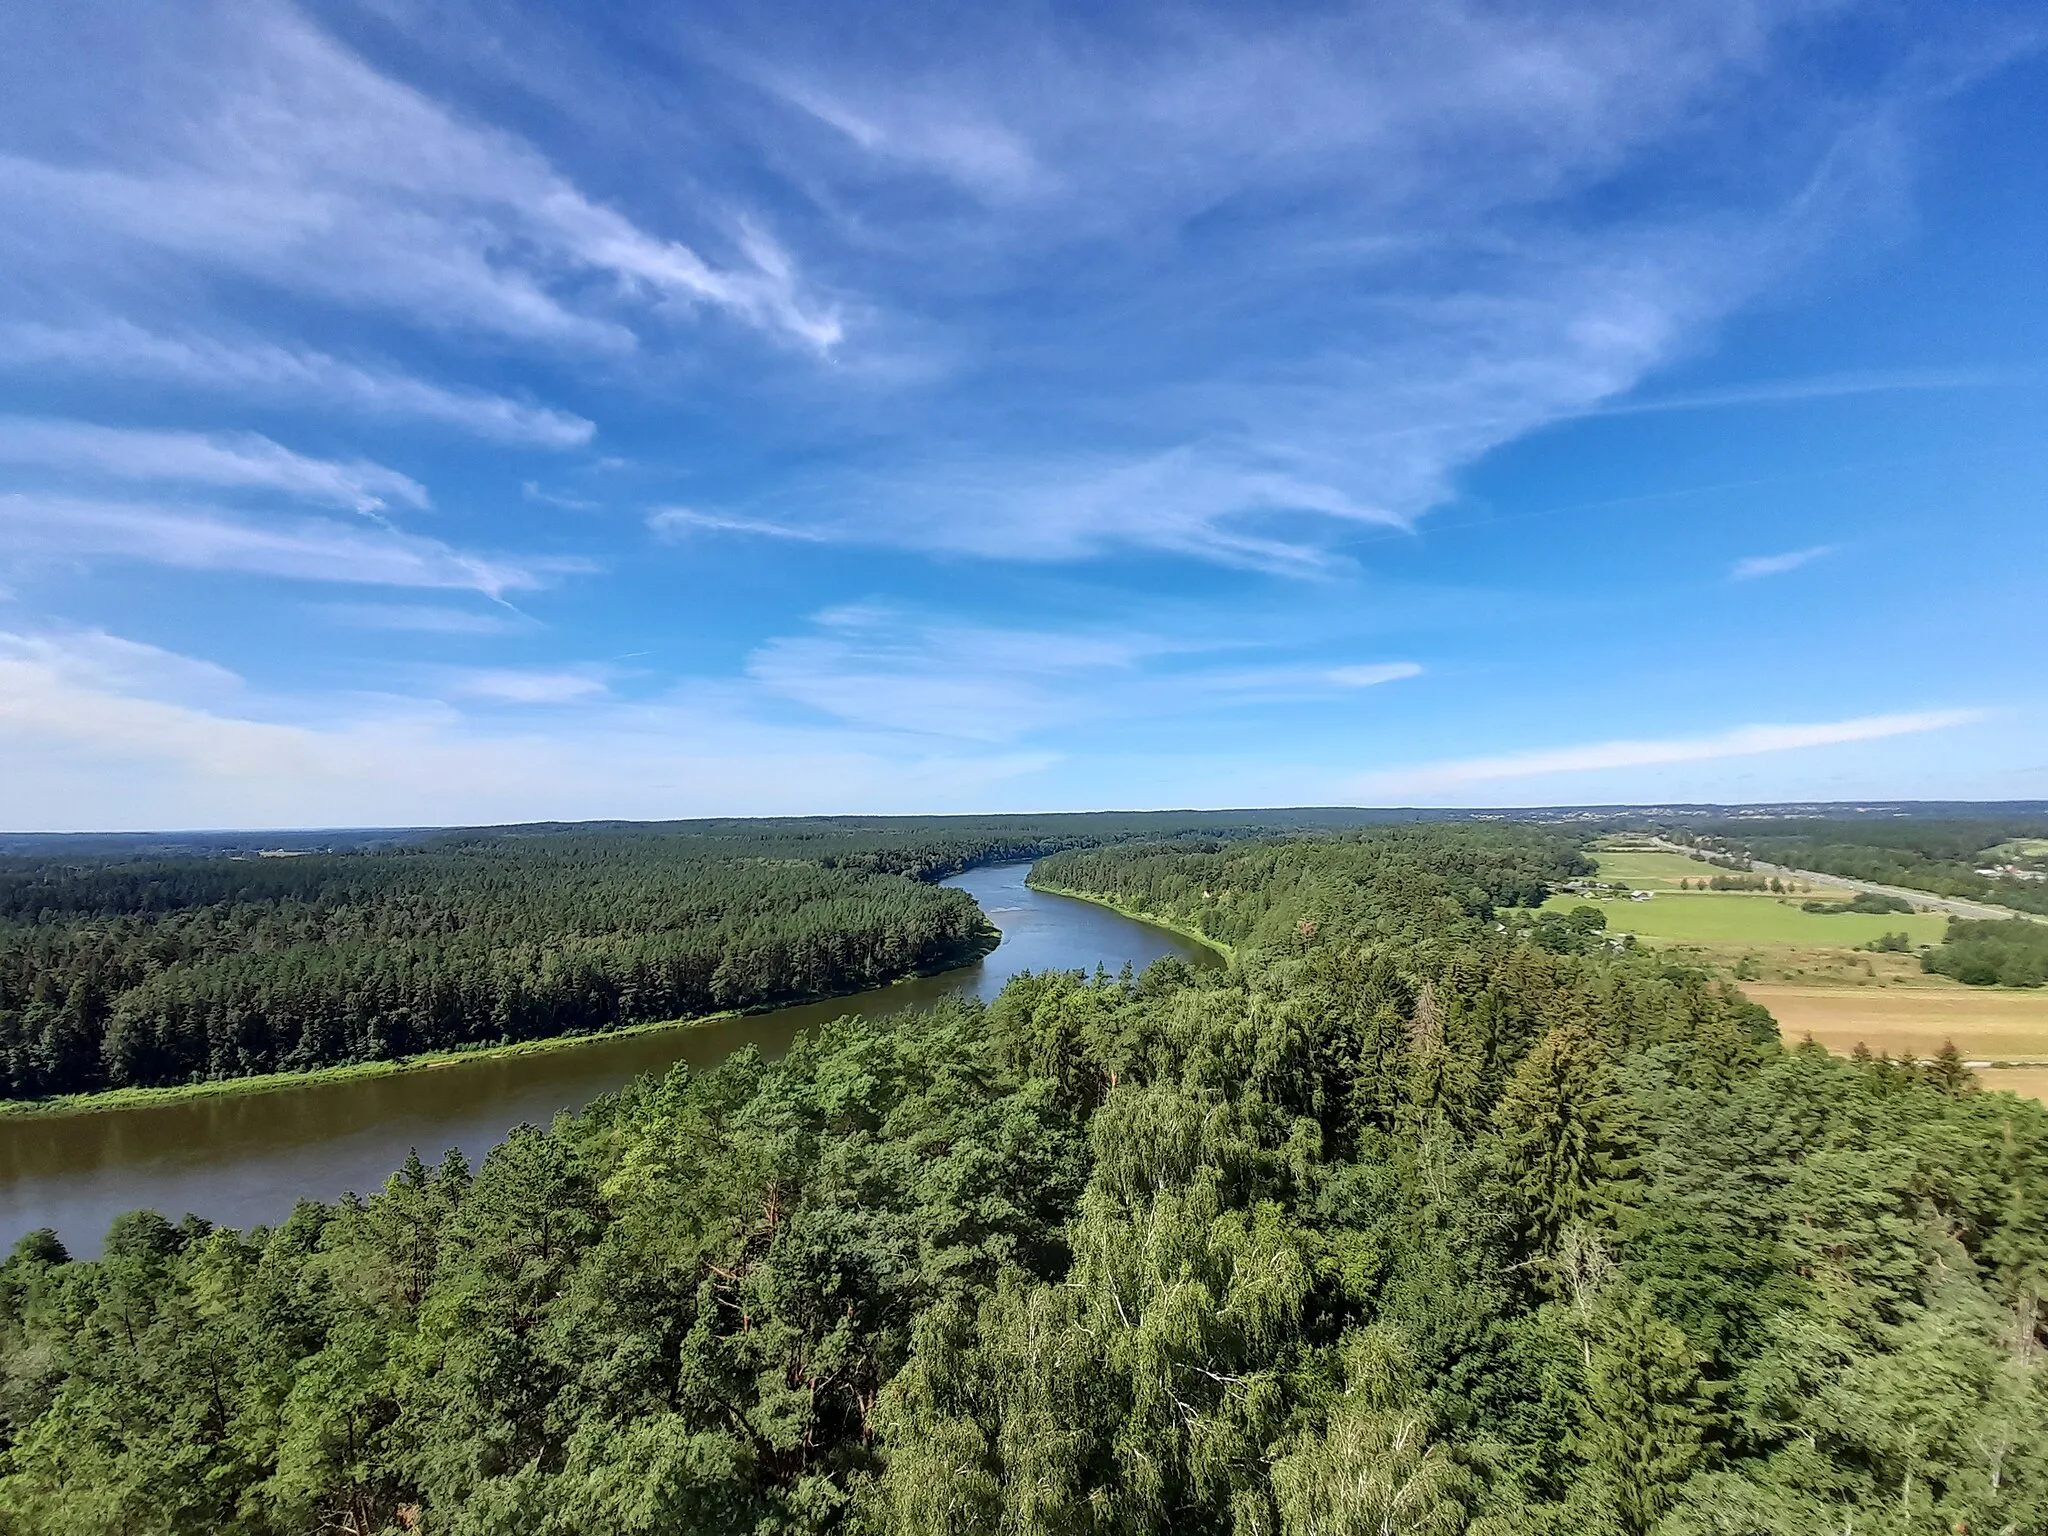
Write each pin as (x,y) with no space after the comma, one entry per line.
(1644,1416)
(1568,1140)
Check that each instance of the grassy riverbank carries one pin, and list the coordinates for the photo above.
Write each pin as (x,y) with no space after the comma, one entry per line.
(355,1071)
(424,1061)
(1138,915)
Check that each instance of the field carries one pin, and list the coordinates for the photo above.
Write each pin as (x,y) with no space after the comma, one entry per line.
(1986,1023)
(2027,1082)
(1807,969)
(1746,918)
(1653,869)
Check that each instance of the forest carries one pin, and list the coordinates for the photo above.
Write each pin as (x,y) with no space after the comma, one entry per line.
(1425,1217)
(156,961)
(165,971)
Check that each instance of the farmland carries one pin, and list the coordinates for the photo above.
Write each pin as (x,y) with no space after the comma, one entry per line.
(2027,1082)
(1810,970)
(1986,1023)
(1724,918)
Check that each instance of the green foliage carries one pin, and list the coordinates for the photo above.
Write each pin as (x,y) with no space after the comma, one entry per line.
(142,974)
(1566,1138)
(1409,1223)
(1876,903)
(1644,1414)
(1938,854)
(2007,954)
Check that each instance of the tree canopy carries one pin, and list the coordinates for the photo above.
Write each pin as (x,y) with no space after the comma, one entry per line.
(1407,1222)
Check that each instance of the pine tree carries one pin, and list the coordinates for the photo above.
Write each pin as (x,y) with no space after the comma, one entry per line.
(1644,1415)
(1569,1138)
(1947,1071)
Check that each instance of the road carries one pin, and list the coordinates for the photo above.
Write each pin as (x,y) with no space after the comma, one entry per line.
(1920,899)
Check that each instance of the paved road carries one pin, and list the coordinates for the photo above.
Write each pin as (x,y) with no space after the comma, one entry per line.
(1920,899)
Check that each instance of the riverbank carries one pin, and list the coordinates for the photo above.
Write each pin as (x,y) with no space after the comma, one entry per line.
(428,1061)
(1227,951)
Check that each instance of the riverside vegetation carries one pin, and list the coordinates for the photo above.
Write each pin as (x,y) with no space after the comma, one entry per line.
(126,966)
(1432,1215)
(163,972)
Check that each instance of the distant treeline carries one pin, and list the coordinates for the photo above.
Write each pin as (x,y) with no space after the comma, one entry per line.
(2008,954)
(1940,856)
(1276,894)
(163,972)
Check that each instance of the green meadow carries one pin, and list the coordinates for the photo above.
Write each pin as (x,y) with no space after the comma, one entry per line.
(1734,917)
(1653,869)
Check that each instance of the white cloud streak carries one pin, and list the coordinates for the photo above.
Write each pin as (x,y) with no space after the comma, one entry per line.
(1744,741)
(1833,386)
(1410,180)
(508,685)
(1777,565)
(417,618)
(236,461)
(270,373)
(206,539)
(876,668)
(100,733)
(307,169)
(1371,676)
(675,523)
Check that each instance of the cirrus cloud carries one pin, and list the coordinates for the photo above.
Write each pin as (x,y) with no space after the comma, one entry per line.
(230,461)
(1743,741)
(208,539)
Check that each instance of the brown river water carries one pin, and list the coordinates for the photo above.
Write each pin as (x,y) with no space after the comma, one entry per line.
(243,1159)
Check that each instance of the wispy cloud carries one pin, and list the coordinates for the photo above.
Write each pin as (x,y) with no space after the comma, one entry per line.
(509,685)
(1744,741)
(533,490)
(121,349)
(949,137)
(678,522)
(1777,565)
(237,461)
(207,539)
(98,732)
(887,670)
(418,618)
(1271,283)
(308,169)
(1831,386)
(1372,675)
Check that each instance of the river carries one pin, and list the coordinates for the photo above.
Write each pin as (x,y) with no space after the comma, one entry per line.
(243,1159)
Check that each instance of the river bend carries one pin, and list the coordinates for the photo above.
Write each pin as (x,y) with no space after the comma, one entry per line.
(242,1159)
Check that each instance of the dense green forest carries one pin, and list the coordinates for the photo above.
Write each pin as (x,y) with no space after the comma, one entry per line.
(150,962)
(1940,855)
(1426,1216)
(169,971)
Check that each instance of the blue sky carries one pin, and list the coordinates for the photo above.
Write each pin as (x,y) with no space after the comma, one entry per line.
(425,414)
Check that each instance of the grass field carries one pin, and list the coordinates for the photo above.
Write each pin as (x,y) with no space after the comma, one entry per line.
(1653,870)
(1809,972)
(1749,918)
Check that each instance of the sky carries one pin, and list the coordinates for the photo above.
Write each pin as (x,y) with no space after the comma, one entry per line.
(443,414)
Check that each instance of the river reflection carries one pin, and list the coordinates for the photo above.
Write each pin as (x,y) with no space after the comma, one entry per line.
(244,1159)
